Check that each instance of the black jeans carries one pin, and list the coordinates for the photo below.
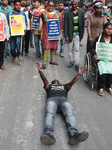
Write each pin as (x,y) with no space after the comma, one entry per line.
(2,46)
(104,80)
(27,40)
(62,105)
(89,45)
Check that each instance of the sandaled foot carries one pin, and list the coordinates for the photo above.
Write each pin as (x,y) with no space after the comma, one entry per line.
(35,58)
(13,59)
(44,66)
(100,92)
(53,63)
(110,91)
(2,67)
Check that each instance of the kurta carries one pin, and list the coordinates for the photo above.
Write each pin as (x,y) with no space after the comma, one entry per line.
(48,44)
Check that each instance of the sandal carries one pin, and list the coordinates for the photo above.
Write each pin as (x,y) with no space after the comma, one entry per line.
(110,91)
(53,63)
(44,66)
(35,58)
(13,59)
(100,92)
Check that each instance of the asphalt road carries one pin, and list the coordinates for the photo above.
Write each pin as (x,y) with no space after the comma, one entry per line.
(22,104)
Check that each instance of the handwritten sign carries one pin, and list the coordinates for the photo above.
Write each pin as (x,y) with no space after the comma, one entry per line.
(104,51)
(53,29)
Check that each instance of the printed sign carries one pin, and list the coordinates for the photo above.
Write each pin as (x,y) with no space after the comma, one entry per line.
(53,29)
(104,51)
(17,26)
(36,23)
(1,31)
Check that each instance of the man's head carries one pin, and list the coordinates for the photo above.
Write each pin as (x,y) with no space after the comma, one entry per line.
(17,5)
(83,7)
(4,2)
(37,3)
(98,7)
(55,81)
(23,2)
(74,4)
(28,2)
(46,2)
(61,6)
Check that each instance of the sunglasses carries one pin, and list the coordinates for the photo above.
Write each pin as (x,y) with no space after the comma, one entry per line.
(51,5)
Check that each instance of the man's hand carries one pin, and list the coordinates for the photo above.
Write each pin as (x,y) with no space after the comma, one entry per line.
(25,9)
(94,58)
(82,70)
(67,39)
(6,41)
(39,66)
(90,39)
(31,31)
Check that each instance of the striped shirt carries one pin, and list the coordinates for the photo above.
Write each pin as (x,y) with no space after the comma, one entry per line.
(5,25)
(5,11)
(76,20)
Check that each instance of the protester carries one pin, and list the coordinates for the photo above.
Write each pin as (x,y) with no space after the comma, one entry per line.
(49,14)
(57,101)
(94,24)
(46,2)
(15,41)
(11,3)
(37,33)
(5,8)
(73,31)
(31,34)
(62,47)
(6,38)
(26,9)
(104,66)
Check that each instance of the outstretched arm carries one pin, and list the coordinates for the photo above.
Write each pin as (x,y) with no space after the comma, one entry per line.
(80,72)
(46,83)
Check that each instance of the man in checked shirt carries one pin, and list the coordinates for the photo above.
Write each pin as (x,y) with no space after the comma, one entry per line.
(5,37)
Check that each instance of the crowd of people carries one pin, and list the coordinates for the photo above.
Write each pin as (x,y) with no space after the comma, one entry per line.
(64,23)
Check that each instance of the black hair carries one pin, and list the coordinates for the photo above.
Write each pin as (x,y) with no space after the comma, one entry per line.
(11,18)
(55,80)
(61,2)
(51,1)
(15,1)
(37,1)
(106,25)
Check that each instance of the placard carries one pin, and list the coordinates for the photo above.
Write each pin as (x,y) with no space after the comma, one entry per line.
(104,51)
(1,30)
(17,26)
(36,23)
(53,29)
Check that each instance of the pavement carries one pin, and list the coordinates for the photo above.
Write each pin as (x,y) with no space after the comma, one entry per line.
(22,105)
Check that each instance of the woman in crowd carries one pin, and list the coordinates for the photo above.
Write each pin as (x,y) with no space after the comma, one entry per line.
(51,45)
(104,66)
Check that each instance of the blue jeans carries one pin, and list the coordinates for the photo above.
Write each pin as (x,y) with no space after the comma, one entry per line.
(6,48)
(37,46)
(15,43)
(62,47)
(62,105)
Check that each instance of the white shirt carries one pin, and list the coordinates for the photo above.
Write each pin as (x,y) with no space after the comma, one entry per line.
(27,16)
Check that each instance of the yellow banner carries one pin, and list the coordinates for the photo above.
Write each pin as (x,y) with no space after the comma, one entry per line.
(16,24)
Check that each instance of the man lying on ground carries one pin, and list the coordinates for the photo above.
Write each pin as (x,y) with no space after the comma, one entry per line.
(57,102)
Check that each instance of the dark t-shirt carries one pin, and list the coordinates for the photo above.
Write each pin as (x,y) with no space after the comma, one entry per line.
(57,90)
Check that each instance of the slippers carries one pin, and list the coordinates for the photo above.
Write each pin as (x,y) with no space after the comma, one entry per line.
(44,66)
(100,92)
(53,63)
(110,91)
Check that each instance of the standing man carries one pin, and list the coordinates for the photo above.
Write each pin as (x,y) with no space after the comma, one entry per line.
(73,31)
(94,24)
(62,47)
(15,41)
(57,102)
(6,38)
(37,33)
(5,8)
